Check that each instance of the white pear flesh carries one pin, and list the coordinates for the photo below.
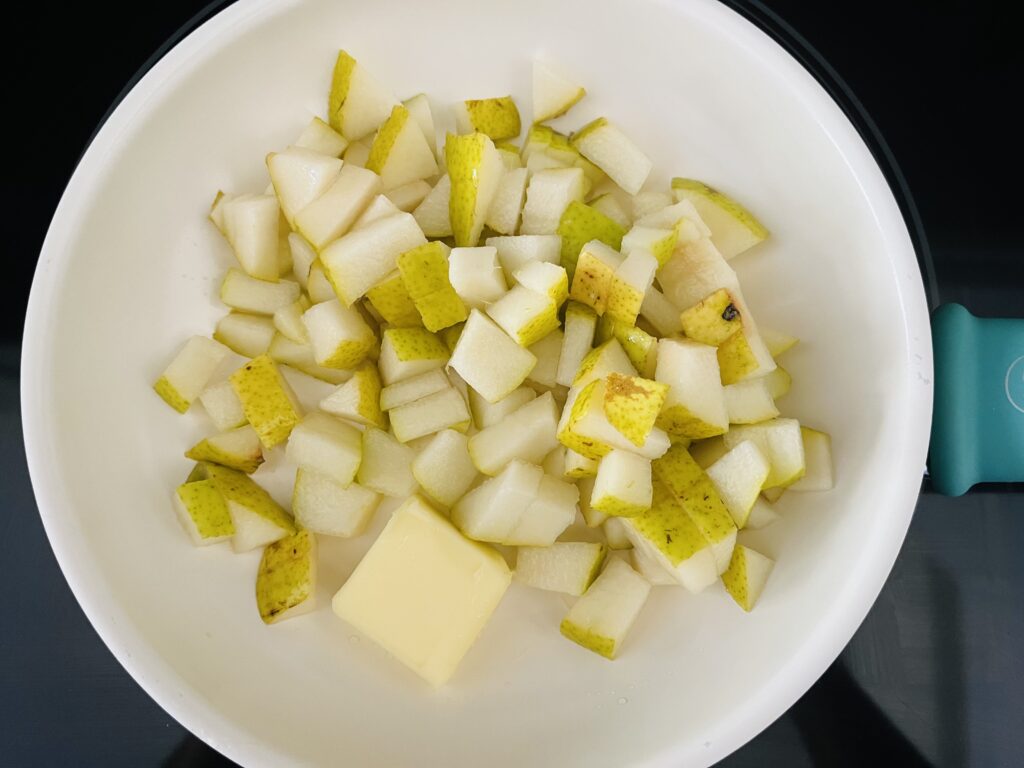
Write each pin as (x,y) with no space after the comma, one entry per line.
(323,506)
(606,146)
(430,414)
(486,413)
(527,434)
(386,465)
(332,214)
(738,477)
(476,276)
(750,401)
(488,359)
(566,566)
(746,576)
(326,445)
(781,441)
(517,251)
(600,620)
(444,468)
(819,474)
(547,196)
(248,335)
(189,372)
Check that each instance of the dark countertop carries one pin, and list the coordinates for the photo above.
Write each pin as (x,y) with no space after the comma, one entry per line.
(934,676)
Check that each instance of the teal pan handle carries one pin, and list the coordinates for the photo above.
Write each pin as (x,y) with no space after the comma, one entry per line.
(978,421)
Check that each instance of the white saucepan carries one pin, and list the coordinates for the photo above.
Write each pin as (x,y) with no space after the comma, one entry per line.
(129,269)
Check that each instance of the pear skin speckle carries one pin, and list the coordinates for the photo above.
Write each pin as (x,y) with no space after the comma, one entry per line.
(667,526)
(603,646)
(580,223)
(392,300)
(207,508)
(678,420)
(735,358)
(416,344)
(241,489)
(342,77)
(170,395)
(380,150)
(266,400)
(497,117)
(632,405)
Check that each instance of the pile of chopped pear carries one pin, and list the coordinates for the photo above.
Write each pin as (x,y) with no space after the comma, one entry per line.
(547,358)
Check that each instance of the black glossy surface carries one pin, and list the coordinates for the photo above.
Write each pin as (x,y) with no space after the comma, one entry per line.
(934,676)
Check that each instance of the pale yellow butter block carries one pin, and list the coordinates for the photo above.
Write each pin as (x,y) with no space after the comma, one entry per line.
(423,591)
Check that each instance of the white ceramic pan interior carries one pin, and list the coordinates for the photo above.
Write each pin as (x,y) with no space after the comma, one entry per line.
(130,268)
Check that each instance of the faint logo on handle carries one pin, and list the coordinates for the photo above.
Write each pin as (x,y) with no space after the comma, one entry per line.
(1014,384)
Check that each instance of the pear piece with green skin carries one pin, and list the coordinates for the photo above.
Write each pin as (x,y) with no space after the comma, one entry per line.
(238,448)
(335,211)
(441,410)
(432,214)
(326,445)
(318,286)
(419,569)
(566,566)
(251,224)
(400,153)
(303,257)
(497,117)
(288,322)
(615,534)
(357,103)
(580,325)
(486,414)
(423,116)
(553,94)
(750,401)
(542,139)
(736,358)
(761,515)
(738,477)
(660,243)
(525,315)
(640,346)
(488,359)
(594,274)
(604,359)
(632,405)
(668,535)
(408,352)
(734,229)
(475,170)
(778,382)
(444,468)
(392,301)
(248,335)
(269,403)
(630,283)
(323,506)
(746,576)
(622,487)
(697,270)
(781,441)
(386,465)
(509,155)
(610,206)
(661,313)
(380,207)
(491,511)
(526,434)
(607,147)
(299,177)
(257,519)
(601,619)
(358,399)
(682,217)
(223,406)
(320,137)
(260,297)
(284,351)
(362,258)
(517,251)
(777,341)
(585,428)
(286,579)
(339,335)
(580,224)
(548,195)
(578,466)
(547,352)
(819,474)
(476,275)
(189,372)
(507,206)
(412,389)
(678,470)
(713,319)
(550,280)
(424,272)
(695,404)
(203,512)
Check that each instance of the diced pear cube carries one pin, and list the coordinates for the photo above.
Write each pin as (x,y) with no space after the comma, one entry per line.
(565,566)
(190,370)
(507,205)
(430,414)
(412,389)
(580,323)
(238,448)
(494,117)
(432,213)
(738,477)
(661,313)
(284,351)
(525,315)
(400,152)
(339,335)
(488,359)
(818,459)
(607,147)
(527,434)
(223,406)
(269,403)
(781,441)
(358,399)
(391,299)
(247,294)
(600,620)
(424,272)
(492,510)
(516,252)
(695,404)
(546,517)
(548,195)
(257,519)
(250,223)
(486,413)
(615,535)
(581,224)
(357,103)
(326,445)
(623,484)
(286,579)
(386,464)
(408,352)
(323,506)
(747,574)
(320,137)
(476,276)
(444,468)
(632,278)
(553,94)
(332,214)
(300,176)
(734,229)
(203,512)
(475,169)
(595,275)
